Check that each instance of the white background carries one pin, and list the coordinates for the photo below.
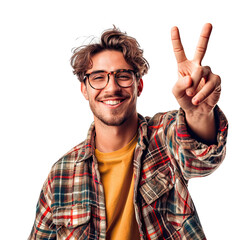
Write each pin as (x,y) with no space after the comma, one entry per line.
(43,114)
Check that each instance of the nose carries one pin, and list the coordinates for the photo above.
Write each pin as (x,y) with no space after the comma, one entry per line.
(112,85)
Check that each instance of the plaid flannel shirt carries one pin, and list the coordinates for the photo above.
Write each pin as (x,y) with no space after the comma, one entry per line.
(71,203)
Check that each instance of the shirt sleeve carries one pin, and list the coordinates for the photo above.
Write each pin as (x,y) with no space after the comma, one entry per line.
(195,158)
(43,227)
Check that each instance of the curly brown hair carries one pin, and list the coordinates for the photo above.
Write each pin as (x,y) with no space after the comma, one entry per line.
(112,39)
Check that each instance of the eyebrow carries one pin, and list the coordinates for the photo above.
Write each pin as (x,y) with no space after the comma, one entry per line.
(97,71)
(100,71)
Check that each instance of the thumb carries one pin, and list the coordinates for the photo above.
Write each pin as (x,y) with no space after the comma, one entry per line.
(179,89)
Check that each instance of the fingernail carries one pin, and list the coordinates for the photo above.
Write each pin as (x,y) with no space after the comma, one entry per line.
(196,101)
(189,93)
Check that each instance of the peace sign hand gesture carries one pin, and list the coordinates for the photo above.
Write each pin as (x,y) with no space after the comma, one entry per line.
(197,89)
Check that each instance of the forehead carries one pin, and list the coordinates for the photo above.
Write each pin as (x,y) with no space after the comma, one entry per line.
(109,60)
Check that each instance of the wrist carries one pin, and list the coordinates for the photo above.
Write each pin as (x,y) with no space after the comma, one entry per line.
(197,116)
(202,126)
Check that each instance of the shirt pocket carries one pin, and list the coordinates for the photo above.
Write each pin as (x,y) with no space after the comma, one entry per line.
(160,182)
(72,221)
(166,198)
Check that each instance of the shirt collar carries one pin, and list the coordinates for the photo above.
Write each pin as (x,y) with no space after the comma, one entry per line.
(88,146)
(142,131)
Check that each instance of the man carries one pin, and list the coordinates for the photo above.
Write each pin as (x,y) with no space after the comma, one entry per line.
(128,179)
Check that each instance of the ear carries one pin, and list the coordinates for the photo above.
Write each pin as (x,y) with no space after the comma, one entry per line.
(140,87)
(84,90)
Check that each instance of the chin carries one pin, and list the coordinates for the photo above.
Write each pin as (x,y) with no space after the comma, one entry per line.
(113,122)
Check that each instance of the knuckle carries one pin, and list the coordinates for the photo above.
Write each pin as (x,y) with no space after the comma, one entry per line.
(218,79)
(201,49)
(178,49)
(208,68)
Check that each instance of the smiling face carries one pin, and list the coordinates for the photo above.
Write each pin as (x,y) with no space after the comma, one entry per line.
(113,105)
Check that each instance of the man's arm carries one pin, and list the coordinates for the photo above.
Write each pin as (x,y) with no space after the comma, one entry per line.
(194,157)
(197,137)
(197,89)
(43,227)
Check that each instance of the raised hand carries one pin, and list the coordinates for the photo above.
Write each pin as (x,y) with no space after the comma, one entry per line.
(197,89)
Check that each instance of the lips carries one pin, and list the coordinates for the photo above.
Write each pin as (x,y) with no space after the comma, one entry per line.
(112,102)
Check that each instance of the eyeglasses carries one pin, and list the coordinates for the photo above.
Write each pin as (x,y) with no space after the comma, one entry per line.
(99,79)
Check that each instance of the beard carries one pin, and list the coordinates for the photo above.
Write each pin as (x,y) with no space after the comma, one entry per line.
(116,121)
(113,117)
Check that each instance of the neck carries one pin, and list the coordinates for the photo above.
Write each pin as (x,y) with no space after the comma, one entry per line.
(113,138)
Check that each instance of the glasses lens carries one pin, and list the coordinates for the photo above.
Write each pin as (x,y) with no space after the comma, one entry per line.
(98,80)
(125,78)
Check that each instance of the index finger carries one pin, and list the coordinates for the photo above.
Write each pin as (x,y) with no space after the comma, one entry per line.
(202,43)
(177,45)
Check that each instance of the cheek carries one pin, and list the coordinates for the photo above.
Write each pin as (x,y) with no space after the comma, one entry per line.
(90,94)
(135,92)
(93,96)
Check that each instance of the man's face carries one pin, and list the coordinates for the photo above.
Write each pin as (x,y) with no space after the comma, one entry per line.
(112,105)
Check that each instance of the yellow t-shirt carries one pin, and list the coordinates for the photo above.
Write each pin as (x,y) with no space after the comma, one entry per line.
(116,170)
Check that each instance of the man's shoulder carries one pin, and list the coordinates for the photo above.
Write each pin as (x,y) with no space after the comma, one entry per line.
(162,116)
(161,119)
(69,159)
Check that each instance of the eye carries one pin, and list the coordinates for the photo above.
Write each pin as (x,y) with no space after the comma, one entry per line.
(124,76)
(97,76)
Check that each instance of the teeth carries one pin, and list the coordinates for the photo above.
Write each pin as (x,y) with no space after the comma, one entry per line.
(112,102)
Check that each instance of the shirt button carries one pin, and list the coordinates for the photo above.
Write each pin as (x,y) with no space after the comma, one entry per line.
(102,224)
